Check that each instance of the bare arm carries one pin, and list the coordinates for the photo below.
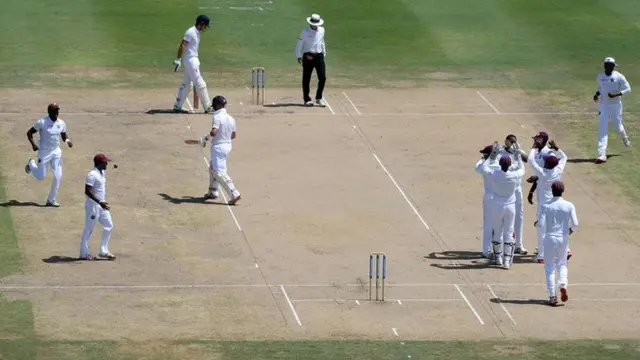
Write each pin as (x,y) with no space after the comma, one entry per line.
(66,139)
(181,48)
(88,190)
(30,133)
(233,135)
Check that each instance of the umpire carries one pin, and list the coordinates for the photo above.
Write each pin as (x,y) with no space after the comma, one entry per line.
(310,52)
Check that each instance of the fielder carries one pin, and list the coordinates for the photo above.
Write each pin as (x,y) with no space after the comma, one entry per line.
(546,175)
(558,220)
(489,154)
(504,182)
(611,85)
(510,143)
(192,76)
(97,209)
(223,131)
(50,129)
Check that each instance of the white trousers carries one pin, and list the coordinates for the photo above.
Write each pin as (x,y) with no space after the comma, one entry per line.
(39,170)
(609,113)
(487,223)
(218,175)
(94,213)
(556,248)
(519,219)
(503,222)
(193,78)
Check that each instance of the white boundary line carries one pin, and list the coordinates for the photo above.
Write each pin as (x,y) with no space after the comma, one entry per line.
(488,102)
(293,309)
(502,305)
(7,287)
(468,303)
(351,102)
(401,192)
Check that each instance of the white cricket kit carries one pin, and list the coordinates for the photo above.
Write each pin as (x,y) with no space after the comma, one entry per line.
(192,75)
(487,205)
(95,213)
(610,110)
(504,185)
(546,177)
(519,221)
(49,153)
(220,150)
(556,217)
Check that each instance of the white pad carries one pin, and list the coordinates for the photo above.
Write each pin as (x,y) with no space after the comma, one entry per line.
(183,93)
(203,93)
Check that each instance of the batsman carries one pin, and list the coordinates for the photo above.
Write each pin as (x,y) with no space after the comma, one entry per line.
(223,131)
(192,76)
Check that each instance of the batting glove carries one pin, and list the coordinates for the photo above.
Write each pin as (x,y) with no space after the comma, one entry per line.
(176,64)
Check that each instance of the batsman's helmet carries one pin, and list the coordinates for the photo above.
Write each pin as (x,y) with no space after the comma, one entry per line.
(202,19)
(219,101)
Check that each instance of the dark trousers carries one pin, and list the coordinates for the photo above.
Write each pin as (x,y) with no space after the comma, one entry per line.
(316,62)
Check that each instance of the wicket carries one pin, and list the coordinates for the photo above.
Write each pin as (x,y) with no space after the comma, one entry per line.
(384,274)
(258,81)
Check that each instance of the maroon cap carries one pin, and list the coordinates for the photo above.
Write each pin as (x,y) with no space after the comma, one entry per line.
(551,161)
(487,150)
(542,135)
(505,161)
(557,186)
(102,158)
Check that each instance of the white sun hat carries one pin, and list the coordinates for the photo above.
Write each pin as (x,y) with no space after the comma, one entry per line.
(609,60)
(315,19)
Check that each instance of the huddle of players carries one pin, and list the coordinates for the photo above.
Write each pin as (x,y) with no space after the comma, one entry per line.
(503,169)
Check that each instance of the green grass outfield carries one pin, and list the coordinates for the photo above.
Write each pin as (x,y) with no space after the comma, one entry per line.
(549,48)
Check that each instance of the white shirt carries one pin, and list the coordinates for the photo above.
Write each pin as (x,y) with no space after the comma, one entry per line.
(192,37)
(504,184)
(98,181)
(538,155)
(50,131)
(612,84)
(546,177)
(514,160)
(225,124)
(555,217)
(311,41)
(486,179)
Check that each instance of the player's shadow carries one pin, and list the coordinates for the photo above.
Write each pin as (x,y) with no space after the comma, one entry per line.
(190,200)
(281,105)
(166,111)
(522,302)
(16,203)
(58,259)
(589,161)
(476,256)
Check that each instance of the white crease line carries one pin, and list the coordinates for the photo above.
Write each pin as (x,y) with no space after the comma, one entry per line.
(280,113)
(488,102)
(351,102)
(604,299)
(399,301)
(401,192)
(233,216)
(469,303)
(329,106)
(502,305)
(395,331)
(293,309)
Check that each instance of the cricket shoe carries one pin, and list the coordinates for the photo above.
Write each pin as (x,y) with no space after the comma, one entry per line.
(52,203)
(521,251)
(540,260)
(234,200)
(553,301)
(601,159)
(498,260)
(87,257)
(487,255)
(321,103)
(507,264)
(308,103)
(210,195)
(563,294)
(27,168)
(108,256)
(626,141)
(180,110)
